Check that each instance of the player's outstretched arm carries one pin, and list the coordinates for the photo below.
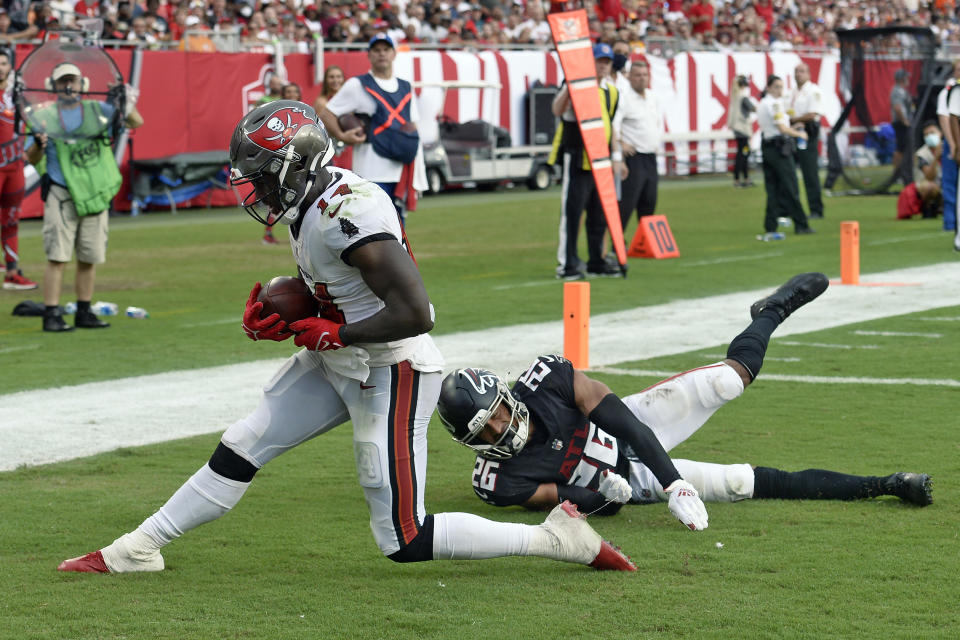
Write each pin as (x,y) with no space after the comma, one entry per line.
(549,495)
(607,411)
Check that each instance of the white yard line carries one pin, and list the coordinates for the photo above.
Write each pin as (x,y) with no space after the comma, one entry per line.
(926,382)
(49,425)
(898,334)
(26,347)
(727,259)
(826,345)
(766,358)
(210,323)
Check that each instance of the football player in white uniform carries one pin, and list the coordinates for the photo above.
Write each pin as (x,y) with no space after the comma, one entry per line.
(366,358)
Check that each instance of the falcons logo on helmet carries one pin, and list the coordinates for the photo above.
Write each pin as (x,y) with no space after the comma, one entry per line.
(280,128)
(480,379)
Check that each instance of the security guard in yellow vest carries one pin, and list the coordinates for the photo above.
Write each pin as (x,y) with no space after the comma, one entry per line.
(579,191)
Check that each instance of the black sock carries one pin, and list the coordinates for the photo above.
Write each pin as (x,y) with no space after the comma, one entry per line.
(11,267)
(813,484)
(83,305)
(749,347)
(50,309)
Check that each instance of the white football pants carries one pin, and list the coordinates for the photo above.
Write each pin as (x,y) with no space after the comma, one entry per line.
(674,409)
(390,413)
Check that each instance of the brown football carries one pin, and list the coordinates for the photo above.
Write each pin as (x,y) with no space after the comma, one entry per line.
(288,297)
(350,121)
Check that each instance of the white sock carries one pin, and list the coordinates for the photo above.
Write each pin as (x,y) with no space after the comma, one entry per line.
(464,536)
(204,497)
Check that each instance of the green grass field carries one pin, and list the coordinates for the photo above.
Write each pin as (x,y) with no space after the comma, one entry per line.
(295,558)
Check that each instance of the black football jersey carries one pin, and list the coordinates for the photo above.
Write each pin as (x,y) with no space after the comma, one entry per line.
(565,447)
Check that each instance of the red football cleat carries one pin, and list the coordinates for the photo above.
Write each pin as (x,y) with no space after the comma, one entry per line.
(611,558)
(90,563)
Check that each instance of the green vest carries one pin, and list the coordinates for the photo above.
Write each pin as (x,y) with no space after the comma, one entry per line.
(609,97)
(87,162)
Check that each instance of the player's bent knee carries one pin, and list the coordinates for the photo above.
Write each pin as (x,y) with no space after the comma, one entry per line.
(420,549)
(228,464)
(718,385)
(738,479)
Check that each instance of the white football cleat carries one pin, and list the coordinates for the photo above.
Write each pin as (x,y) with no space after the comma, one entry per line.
(575,541)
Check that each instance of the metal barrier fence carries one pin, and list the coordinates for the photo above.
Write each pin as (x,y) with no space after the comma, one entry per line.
(230,40)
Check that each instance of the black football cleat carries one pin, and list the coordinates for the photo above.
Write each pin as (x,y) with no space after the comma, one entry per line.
(53,322)
(798,291)
(89,320)
(915,488)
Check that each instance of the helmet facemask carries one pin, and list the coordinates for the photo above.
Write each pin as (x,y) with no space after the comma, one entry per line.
(514,436)
(278,150)
(269,199)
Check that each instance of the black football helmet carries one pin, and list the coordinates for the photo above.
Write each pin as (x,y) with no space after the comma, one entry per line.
(468,397)
(278,147)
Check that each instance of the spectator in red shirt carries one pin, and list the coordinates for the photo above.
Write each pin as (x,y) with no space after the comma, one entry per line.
(917,198)
(700,15)
(764,9)
(610,10)
(85,9)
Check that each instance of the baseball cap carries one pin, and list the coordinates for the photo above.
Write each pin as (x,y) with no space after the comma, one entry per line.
(602,50)
(65,69)
(381,37)
(900,74)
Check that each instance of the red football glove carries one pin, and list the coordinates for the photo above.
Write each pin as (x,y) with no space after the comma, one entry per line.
(269,328)
(317,334)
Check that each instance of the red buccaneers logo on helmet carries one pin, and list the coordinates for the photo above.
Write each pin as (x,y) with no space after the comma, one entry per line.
(280,128)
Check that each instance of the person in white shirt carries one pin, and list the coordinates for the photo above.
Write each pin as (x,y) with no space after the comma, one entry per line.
(953,106)
(779,169)
(805,111)
(389,152)
(927,157)
(640,125)
(738,120)
(949,168)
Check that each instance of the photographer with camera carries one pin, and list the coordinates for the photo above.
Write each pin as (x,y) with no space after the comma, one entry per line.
(779,170)
(80,180)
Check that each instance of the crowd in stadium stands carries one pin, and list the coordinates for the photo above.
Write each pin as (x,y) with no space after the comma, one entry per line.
(719,24)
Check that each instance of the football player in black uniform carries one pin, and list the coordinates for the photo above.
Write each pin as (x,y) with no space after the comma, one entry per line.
(560,435)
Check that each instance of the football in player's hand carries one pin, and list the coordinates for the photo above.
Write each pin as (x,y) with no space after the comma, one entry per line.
(288,297)
(350,121)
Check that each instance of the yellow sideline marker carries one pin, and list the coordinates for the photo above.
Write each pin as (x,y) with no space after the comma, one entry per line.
(576,323)
(850,252)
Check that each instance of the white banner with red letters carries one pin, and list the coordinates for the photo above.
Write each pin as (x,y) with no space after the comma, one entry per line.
(692,89)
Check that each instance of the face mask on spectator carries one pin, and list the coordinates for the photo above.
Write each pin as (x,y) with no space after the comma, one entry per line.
(932,139)
(619,61)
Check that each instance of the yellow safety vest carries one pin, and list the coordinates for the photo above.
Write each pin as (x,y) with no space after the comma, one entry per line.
(609,97)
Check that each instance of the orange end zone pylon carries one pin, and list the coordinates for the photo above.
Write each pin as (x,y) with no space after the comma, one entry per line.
(571,35)
(653,239)
(850,252)
(576,323)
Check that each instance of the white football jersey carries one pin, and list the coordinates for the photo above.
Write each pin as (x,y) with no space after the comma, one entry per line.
(350,213)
